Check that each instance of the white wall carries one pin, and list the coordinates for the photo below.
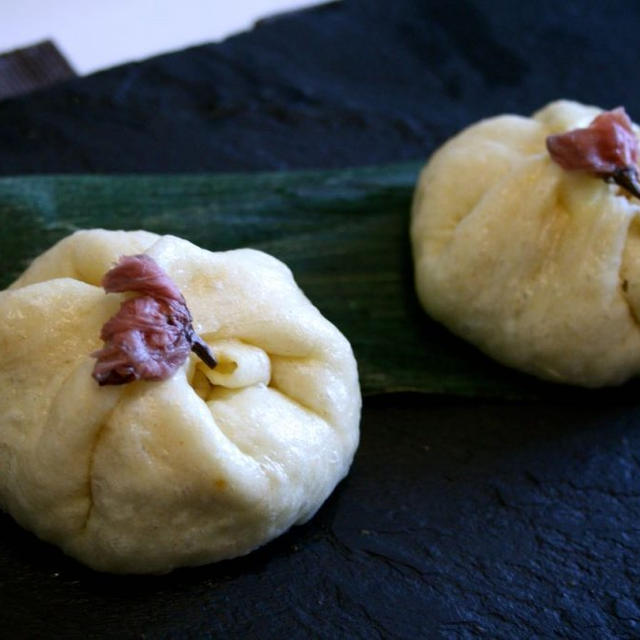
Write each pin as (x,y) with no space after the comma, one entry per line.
(96,34)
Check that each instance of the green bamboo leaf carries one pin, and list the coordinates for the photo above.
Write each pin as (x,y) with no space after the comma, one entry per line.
(343,233)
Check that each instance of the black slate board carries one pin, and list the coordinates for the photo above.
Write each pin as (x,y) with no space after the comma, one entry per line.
(459,519)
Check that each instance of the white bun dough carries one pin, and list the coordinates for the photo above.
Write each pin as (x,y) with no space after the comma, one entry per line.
(207,465)
(537,266)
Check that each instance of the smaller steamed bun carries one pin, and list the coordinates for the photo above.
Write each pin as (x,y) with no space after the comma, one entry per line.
(537,266)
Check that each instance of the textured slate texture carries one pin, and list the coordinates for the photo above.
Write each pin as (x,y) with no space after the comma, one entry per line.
(360,82)
(459,520)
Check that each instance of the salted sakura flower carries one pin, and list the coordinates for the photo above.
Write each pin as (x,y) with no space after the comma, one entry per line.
(151,335)
(607,148)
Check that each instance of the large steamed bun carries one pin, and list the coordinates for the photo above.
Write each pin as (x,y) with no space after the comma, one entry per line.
(203,466)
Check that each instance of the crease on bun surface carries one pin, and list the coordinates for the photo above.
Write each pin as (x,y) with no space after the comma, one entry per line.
(537,266)
(206,465)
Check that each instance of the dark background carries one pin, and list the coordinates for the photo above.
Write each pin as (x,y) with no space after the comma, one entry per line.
(460,519)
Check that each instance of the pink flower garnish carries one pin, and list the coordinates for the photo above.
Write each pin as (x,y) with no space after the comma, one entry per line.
(151,336)
(607,148)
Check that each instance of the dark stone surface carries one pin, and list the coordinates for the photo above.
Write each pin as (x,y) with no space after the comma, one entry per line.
(459,520)
(359,82)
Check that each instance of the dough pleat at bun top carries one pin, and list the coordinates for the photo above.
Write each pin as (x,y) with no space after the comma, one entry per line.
(205,465)
(537,266)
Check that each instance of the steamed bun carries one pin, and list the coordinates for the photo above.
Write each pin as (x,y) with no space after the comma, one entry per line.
(537,266)
(206,465)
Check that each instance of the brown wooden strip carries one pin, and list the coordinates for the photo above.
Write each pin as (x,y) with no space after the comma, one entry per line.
(24,70)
